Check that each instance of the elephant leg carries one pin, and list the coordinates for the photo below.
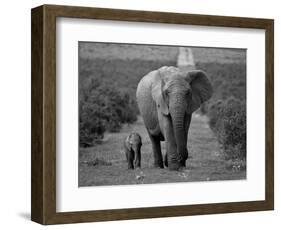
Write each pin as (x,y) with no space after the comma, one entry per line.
(166,159)
(187,125)
(183,162)
(130,159)
(138,160)
(172,159)
(156,149)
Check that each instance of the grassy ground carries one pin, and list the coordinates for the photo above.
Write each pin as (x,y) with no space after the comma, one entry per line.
(105,164)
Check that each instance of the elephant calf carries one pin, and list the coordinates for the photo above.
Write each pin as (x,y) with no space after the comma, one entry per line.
(132,146)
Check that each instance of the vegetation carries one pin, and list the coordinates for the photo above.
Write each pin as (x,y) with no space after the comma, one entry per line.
(227,108)
(228,120)
(102,108)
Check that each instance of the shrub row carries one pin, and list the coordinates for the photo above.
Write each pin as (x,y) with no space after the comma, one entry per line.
(101,108)
(227,108)
(227,118)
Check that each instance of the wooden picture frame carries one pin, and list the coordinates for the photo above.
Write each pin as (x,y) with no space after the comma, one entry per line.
(43,160)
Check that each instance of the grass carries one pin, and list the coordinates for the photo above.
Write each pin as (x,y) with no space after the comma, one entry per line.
(206,162)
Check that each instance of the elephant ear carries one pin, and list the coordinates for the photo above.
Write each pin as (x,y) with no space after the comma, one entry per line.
(158,95)
(201,87)
(128,142)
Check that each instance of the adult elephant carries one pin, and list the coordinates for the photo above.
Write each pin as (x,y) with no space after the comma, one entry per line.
(167,97)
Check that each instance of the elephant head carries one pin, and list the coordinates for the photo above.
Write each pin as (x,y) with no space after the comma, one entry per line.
(177,95)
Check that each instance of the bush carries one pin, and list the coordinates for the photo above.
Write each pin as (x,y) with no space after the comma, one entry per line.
(228,120)
(213,112)
(102,108)
(227,108)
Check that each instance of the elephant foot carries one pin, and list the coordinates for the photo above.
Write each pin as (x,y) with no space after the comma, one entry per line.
(137,165)
(174,166)
(183,163)
(175,163)
(166,160)
(158,165)
(130,167)
(183,159)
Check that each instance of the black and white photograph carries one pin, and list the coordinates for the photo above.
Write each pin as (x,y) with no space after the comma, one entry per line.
(160,114)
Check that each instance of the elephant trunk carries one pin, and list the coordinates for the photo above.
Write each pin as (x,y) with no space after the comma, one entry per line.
(178,114)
